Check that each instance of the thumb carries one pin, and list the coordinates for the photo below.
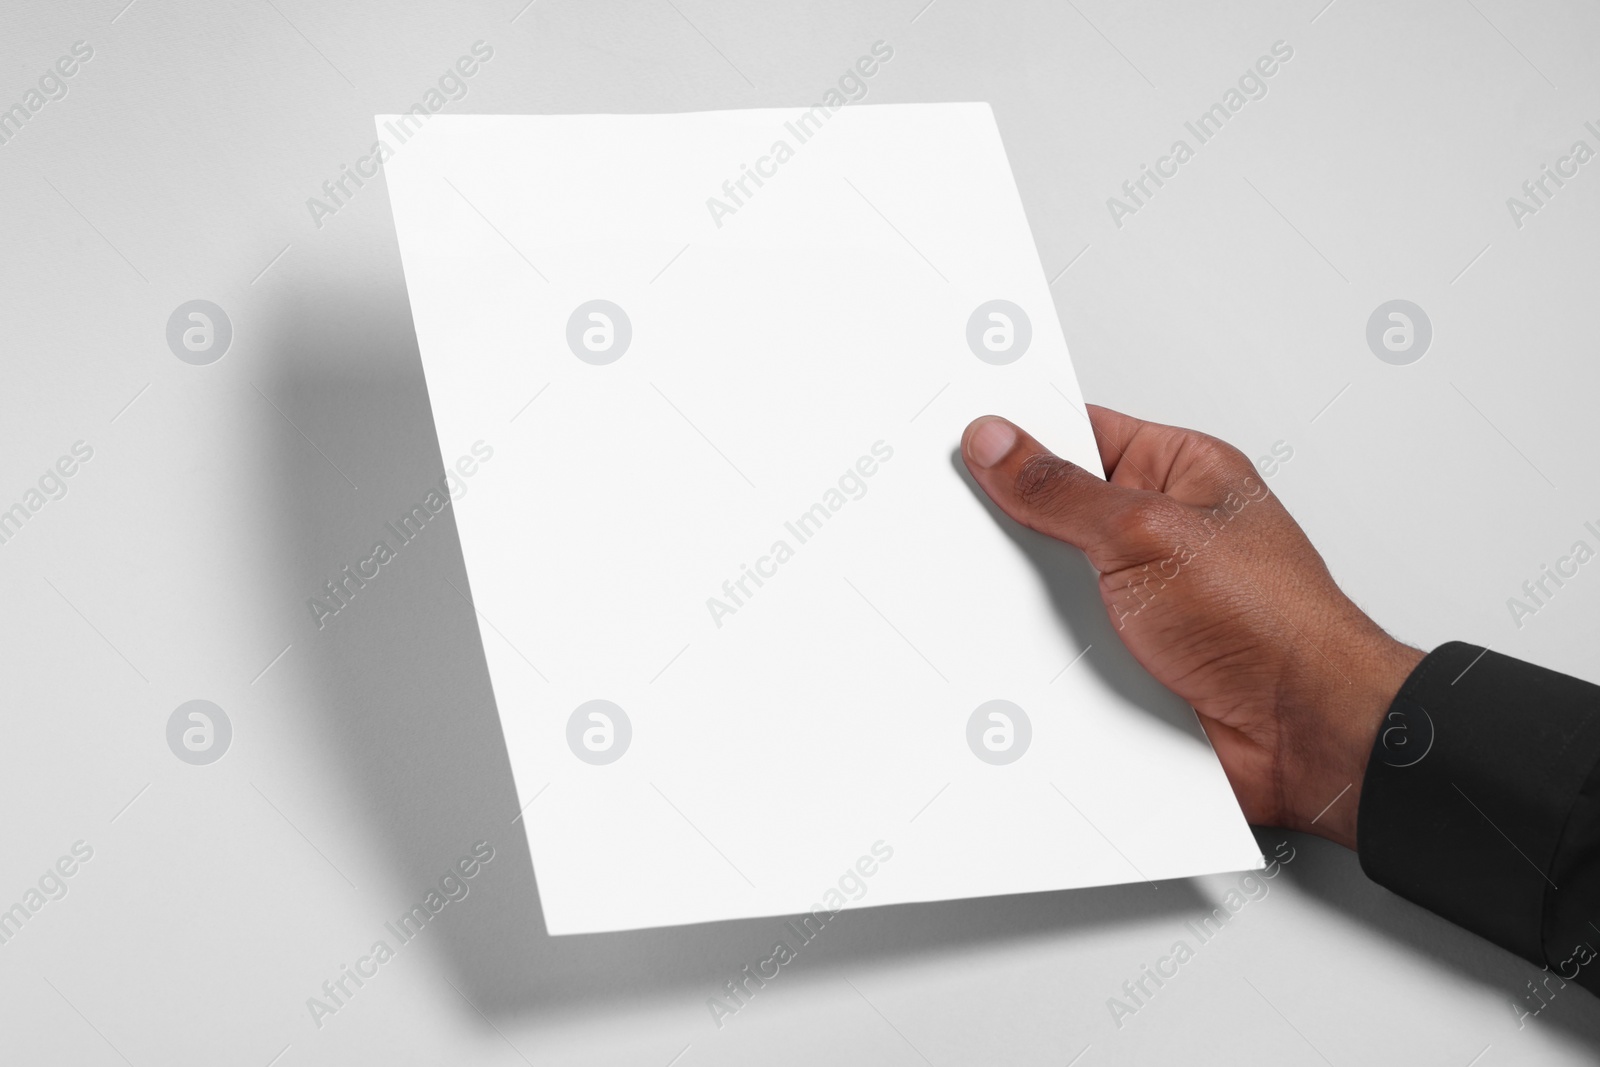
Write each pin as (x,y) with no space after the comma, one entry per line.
(1055,497)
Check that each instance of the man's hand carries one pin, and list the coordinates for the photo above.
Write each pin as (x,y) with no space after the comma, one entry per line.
(1217,592)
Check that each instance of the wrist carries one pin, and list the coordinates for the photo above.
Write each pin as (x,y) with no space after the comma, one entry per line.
(1337,718)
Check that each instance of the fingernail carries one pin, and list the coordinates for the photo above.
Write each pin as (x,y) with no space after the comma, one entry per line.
(991,440)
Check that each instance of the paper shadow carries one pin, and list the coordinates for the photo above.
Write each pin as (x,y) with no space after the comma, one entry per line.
(396,700)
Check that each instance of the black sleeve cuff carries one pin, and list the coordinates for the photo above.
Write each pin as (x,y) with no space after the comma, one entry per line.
(1466,803)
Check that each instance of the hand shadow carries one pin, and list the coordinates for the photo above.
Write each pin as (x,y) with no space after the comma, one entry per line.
(1074,589)
(1327,872)
(1332,875)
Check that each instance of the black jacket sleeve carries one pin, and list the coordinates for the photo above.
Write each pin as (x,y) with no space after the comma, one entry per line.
(1481,802)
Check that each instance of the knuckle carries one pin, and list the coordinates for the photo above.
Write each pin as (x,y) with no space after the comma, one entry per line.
(1221,458)
(1149,526)
(1233,461)
(1220,466)
(1043,480)
(1141,518)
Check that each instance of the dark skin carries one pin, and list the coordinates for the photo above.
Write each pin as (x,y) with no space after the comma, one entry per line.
(1216,590)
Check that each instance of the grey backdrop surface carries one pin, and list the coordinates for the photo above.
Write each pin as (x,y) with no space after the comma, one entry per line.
(366,758)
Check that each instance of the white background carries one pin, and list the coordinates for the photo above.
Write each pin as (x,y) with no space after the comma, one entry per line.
(366,757)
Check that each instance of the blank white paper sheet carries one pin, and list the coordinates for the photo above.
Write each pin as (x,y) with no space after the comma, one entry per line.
(758,644)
